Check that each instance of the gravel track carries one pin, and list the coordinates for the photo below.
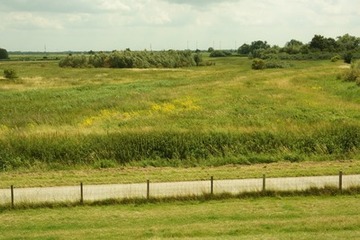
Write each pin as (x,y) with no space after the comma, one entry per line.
(101,192)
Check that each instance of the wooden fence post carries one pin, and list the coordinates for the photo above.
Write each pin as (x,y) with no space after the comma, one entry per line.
(12,196)
(148,189)
(340,180)
(81,193)
(264,183)
(212,185)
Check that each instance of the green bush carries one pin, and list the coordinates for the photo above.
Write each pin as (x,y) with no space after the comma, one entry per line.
(348,57)
(335,58)
(3,54)
(79,61)
(276,64)
(353,75)
(220,53)
(258,64)
(10,74)
(299,56)
(198,59)
(130,59)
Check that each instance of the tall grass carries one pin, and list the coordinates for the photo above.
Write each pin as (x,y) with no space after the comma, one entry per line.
(179,148)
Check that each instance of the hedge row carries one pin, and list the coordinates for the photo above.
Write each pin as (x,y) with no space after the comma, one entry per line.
(129,59)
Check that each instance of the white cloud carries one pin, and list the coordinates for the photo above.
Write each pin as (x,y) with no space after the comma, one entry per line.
(114,24)
(113,5)
(26,20)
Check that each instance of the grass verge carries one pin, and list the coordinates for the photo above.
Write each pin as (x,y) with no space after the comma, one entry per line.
(319,217)
(312,191)
(47,178)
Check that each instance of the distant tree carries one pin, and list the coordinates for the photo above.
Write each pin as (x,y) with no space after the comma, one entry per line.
(293,47)
(259,45)
(331,45)
(3,54)
(255,48)
(321,43)
(348,42)
(211,49)
(318,42)
(244,49)
(305,49)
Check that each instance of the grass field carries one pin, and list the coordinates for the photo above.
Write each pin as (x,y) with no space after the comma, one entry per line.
(56,118)
(259,218)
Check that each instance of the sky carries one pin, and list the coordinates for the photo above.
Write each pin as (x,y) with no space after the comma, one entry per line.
(105,25)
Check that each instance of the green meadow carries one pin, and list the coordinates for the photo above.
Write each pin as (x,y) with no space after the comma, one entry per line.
(226,113)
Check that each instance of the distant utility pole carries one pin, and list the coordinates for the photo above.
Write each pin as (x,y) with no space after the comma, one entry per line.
(45,49)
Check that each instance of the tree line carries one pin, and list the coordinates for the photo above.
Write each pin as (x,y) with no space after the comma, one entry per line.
(320,47)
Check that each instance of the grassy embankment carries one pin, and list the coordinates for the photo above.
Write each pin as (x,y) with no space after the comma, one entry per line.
(55,118)
(259,218)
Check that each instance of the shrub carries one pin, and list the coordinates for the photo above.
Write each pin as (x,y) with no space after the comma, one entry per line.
(74,61)
(335,58)
(10,74)
(130,59)
(198,59)
(258,64)
(348,57)
(3,54)
(276,64)
(220,53)
(353,75)
(356,65)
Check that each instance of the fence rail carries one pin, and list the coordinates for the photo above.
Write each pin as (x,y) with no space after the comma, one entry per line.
(148,189)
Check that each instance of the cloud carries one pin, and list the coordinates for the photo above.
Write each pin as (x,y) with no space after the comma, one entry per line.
(62,6)
(200,3)
(113,5)
(111,24)
(28,21)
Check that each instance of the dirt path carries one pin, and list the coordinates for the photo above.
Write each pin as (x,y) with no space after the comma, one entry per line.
(100,192)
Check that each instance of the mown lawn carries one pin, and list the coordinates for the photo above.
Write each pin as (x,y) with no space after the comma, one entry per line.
(261,218)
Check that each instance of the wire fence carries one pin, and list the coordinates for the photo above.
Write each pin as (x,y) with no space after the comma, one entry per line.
(148,189)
